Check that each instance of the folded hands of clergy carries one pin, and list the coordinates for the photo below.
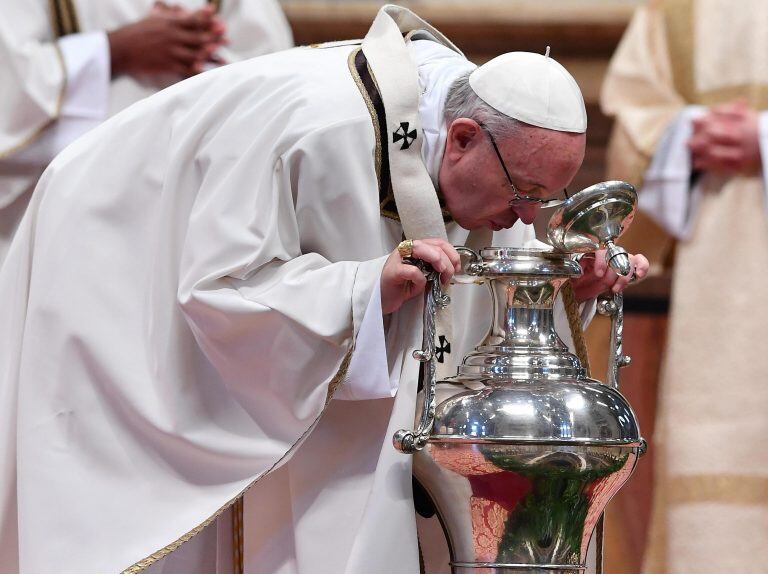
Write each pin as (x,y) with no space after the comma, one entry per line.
(726,139)
(169,40)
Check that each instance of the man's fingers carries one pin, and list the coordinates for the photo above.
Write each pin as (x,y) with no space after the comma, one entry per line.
(198,20)
(411,273)
(726,155)
(728,135)
(428,253)
(194,39)
(185,55)
(448,249)
(642,265)
(600,266)
(431,254)
(719,158)
(621,282)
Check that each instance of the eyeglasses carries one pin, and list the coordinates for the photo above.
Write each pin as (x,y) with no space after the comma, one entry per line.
(518,199)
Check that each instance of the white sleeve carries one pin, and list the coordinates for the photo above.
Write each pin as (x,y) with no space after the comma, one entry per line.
(368,375)
(666,192)
(85,105)
(763,134)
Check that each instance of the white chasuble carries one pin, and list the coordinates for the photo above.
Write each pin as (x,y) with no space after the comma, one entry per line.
(177,320)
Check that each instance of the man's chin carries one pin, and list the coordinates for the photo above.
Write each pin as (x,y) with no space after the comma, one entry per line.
(496,226)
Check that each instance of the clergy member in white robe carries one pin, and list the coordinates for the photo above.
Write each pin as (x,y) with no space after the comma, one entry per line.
(205,323)
(55,69)
(689,89)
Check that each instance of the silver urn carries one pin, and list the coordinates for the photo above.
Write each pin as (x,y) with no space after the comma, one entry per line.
(521,451)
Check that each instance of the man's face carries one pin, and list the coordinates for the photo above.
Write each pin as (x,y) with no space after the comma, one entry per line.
(541,163)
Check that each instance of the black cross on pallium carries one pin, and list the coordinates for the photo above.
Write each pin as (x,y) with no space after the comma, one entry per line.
(402,133)
(442,349)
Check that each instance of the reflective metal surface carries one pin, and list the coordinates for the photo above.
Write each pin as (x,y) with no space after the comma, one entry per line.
(524,451)
(521,508)
(613,307)
(573,412)
(522,342)
(406,440)
(591,218)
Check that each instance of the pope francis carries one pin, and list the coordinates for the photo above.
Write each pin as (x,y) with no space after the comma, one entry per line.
(205,306)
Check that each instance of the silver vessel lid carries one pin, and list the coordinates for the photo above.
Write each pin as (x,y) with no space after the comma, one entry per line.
(582,412)
(593,217)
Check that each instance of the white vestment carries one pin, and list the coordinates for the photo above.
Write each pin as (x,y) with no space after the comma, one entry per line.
(178,318)
(57,88)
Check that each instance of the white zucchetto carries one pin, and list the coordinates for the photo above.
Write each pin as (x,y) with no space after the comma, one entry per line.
(532,88)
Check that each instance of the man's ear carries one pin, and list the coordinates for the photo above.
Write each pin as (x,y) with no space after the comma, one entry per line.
(462,135)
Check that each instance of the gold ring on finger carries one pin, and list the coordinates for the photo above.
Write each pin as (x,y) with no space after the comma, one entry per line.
(405,248)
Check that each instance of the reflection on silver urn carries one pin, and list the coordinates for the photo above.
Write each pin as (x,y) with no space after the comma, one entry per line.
(521,451)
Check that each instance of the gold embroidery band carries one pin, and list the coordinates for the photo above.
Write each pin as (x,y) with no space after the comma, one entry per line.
(64,18)
(237,537)
(366,83)
(63,21)
(32,137)
(145,563)
(723,488)
(216,4)
(756,95)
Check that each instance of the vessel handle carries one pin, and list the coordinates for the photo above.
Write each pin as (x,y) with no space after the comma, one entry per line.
(475,265)
(405,440)
(613,306)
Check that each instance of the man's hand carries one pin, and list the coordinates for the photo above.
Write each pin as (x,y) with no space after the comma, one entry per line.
(401,281)
(726,140)
(169,40)
(598,277)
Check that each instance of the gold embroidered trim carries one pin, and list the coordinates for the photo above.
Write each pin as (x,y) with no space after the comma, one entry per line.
(387,202)
(335,44)
(756,95)
(71,21)
(63,18)
(31,138)
(340,377)
(216,4)
(173,546)
(724,488)
(374,117)
(237,537)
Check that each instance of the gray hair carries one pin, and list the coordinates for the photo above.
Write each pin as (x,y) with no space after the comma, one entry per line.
(463,102)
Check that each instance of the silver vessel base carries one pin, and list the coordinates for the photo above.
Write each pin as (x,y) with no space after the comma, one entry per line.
(498,568)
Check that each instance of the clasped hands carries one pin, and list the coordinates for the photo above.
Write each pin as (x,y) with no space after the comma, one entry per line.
(169,40)
(401,281)
(726,139)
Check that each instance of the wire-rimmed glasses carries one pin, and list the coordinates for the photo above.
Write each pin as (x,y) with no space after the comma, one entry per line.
(517,198)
